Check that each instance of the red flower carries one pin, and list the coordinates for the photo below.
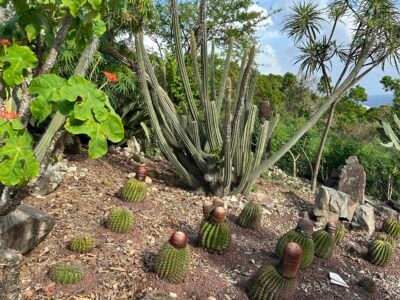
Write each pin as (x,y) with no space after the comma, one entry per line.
(110,76)
(5,42)
(8,115)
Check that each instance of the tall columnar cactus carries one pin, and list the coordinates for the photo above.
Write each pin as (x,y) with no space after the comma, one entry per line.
(392,227)
(120,220)
(302,235)
(207,148)
(277,283)
(324,240)
(381,250)
(65,274)
(340,233)
(250,217)
(173,259)
(215,234)
(134,190)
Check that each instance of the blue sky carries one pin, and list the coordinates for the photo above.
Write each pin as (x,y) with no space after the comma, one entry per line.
(278,51)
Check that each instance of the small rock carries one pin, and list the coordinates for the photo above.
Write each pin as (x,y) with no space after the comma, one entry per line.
(352,247)
(211,298)
(148,180)
(131,175)
(173,295)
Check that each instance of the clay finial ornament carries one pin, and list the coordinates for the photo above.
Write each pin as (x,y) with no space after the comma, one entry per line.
(219,214)
(290,262)
(178,239)
(141,172)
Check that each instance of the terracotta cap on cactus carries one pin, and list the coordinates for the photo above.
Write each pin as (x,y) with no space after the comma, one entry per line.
(217,202)
(207,207)
(290,261)
(219,214)
(305,226)
(141,172)
(331,227)
(178,239)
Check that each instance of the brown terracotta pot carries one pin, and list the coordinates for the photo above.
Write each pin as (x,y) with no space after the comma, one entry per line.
(207,208)
(219,214)
(178,239)
(331,227)
(141,172)
(305,226)
(290,262)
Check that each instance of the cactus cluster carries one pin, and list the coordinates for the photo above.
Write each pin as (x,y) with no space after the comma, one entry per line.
(250,217)
(277,283)
(134,190)
(392,228)
(324,241)
(82,244)
(173,259)
(120,220)
(340,233)
(302,235)
(215,234)
(65,274)
(381,250)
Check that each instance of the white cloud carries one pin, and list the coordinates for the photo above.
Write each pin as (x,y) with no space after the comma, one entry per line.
(268,61)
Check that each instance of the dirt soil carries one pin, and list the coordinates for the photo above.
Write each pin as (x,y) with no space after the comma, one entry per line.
(120,267)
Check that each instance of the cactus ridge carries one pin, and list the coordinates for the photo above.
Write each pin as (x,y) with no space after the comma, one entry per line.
(305,242)
(172,263)
(324,243)
(134,190)
(82,244)
(381,250)
(214,236)
(65,274)
(340,233)
(120,220)
(250,217)
(392,227)
(269,284)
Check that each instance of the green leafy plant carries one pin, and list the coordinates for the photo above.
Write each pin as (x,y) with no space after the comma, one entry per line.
(324,241)
(173,259)
(65,274)
(82,244)
(120,220)
(392,228)
(381,250)
(134,190)
(340,233)
(215,234)
(250,217)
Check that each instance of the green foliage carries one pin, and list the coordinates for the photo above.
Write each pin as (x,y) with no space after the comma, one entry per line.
(65,274)
(324,243)
(269,284)
(392,85)
(120,220)
(82,244)
(381,250)
(250,217)
(214,236)
(172,263)
(340,233)
(392,228)
(134,190)
(306,243)
(367,284)
(87,109)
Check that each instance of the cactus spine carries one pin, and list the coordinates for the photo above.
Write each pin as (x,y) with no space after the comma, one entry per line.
(392,227)
(324,241)
(250,217)
(381,250)
(215,234)
(65,274)
(82,244)
(173,259)
(120,220)
(134,190)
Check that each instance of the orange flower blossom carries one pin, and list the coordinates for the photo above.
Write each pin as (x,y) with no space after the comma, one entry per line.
(5,42)
(110,76)
(8,115)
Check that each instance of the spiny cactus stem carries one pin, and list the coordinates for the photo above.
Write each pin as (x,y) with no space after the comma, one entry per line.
(224,78)
(228,140)
(196,69)
(290,262)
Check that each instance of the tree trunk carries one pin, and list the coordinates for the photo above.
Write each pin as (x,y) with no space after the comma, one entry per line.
(322,147)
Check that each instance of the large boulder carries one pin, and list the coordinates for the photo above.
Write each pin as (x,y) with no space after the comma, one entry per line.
(25,228)
(364,218)
(330,205)
(48,182)
(352,180)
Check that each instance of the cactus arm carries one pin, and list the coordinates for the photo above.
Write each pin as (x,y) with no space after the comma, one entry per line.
(227,173)
(212,70)
(196,70)
(193,130)
(252,89)
(395,142)
(224,77)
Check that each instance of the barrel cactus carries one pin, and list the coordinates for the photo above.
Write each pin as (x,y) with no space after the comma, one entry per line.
(65,274)
(381,250)
(134,190)
(120,220)
(250,217)
(340,233)
(392,227)
(324,240)
(277,282)
(173,259)
(302,235)
(82,244)
(215,234)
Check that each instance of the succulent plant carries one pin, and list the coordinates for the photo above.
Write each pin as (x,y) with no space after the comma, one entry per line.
(120,220)
(302,235)
(392,227)
(278,282)
(367,284)
(82,244)
(381,250)
(65,274)
(141,172)
(324,241)
(340,233)
(173,259)
(134,190)
(215,234)
(250,217)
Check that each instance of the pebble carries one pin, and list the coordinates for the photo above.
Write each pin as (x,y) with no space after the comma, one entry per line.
(173,295)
